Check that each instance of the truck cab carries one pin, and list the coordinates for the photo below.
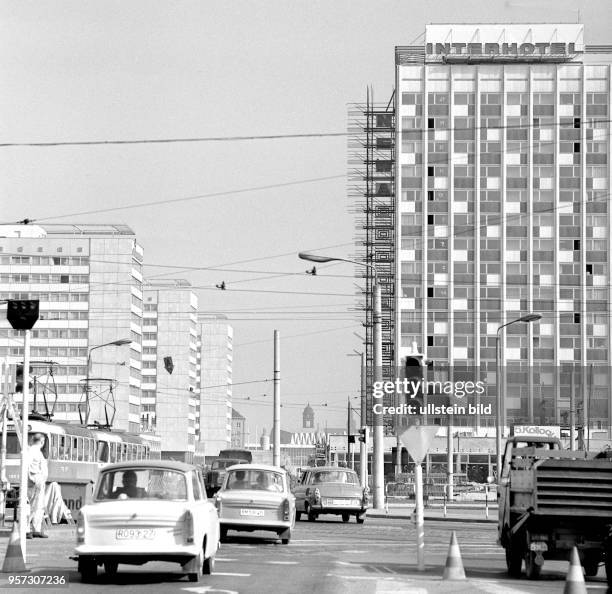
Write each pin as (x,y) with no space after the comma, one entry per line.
(503,489)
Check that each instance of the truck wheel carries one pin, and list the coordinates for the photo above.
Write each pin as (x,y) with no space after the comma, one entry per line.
(532,568)
(514,557)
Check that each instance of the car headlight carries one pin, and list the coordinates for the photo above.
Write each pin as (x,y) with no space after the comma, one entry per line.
(217,501)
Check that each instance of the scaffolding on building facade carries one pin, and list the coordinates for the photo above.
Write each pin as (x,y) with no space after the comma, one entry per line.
(371,193)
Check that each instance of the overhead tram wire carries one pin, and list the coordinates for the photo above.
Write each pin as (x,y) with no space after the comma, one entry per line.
(285,184)
(173,140)
(188,198)
(196,139)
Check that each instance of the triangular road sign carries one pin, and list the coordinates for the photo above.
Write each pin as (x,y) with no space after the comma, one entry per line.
(417,439)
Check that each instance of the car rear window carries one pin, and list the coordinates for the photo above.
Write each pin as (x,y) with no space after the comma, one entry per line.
(142,483)
(335,476)
(257,480)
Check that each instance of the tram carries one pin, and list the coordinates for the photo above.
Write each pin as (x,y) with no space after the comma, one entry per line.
(75,454)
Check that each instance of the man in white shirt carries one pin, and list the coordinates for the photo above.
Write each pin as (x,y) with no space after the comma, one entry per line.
(38,472)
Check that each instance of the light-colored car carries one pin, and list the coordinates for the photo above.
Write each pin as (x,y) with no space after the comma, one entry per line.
(147,511)
(216,474)
(256,497)
(331,490)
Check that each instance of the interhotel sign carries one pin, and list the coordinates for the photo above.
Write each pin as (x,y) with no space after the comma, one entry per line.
(457,43)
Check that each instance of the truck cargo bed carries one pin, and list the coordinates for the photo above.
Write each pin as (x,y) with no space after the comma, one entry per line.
(573,487)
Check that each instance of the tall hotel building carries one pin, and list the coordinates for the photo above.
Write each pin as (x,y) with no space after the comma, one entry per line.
(88,279)
(500,186)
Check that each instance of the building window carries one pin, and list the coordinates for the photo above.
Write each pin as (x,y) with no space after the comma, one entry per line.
(576,244)
(59,249)
(430,123)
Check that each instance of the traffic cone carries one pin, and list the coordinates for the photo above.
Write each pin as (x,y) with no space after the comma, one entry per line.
(574,581)
(453,569)
(14,561)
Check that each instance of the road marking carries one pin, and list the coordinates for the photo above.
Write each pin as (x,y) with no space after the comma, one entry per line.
(224,560)
(354,577)
(282,562)
(209,590)
(228,574)
(354,552)
(494,587)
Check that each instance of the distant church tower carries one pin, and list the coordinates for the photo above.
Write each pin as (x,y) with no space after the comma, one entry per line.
(308,418)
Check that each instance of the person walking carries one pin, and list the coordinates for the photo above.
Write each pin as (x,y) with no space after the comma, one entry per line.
(38,472)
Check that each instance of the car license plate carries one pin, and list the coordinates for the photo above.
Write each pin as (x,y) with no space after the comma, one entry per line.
(135,533)
(538,546)
(339,501)
(258,513)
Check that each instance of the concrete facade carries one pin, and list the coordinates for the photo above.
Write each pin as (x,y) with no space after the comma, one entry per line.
(216,382)
(170,400)
(88,279)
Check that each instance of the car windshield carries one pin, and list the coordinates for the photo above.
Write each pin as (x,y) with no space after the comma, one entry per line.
(258,480)
(335,476)
(217,464)
(142,483)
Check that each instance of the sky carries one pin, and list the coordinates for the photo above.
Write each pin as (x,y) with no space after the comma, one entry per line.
(87,70)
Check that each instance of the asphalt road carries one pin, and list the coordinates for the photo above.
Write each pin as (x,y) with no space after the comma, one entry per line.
(326,557)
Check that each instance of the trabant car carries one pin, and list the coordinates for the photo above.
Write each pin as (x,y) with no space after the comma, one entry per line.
(256,497)
(331,490)
(147,511)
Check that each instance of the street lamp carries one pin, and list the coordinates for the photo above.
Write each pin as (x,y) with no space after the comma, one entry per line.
(363,446)
(499,417)
(118,342)
(378,471)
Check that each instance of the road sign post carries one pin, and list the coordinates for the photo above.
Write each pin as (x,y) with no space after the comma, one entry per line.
(417,440)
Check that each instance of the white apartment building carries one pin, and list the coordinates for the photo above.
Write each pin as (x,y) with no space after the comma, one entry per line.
(88,280)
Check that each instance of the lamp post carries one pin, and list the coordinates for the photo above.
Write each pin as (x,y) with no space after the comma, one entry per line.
(118,342)
(363,446)
(378,471)
(500,400)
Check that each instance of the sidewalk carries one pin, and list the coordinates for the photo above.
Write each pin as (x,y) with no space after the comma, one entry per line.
(456,512)
(44,554)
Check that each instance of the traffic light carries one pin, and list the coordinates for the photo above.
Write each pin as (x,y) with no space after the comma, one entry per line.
(19,379)
(168,364)
(415,368)
(363,434)
(22,314)
(351,439)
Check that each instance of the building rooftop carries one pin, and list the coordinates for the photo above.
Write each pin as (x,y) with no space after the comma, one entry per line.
(87,229)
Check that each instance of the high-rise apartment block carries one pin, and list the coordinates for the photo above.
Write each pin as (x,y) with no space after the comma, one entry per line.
(88,279)
(170,374)
(216,384)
